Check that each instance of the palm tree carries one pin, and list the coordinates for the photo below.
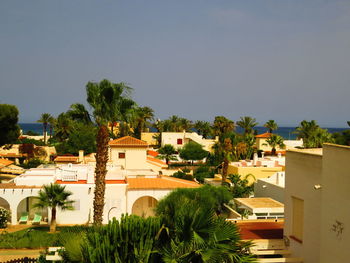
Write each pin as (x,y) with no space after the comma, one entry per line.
(110,102)
(63,127)
(307,131)
(203,128)
(142,116)
(247,123)
(348,122)
(274,141)
(167,152)
(54,196)
(52,123)
(45,119)
(184,124)
(174,123)
(227,153)
(271,125)
(78,112)
(223,127)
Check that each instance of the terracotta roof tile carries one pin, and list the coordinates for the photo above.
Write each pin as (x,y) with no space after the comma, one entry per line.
(14,186)
(264,135)
(164,182)
(128,141)
(72,159)
(5,162)
(157,161)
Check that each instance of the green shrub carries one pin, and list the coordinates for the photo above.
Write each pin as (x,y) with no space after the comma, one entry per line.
(183,175)
(4,217)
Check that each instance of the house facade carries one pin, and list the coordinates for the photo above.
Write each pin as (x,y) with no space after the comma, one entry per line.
(317,200)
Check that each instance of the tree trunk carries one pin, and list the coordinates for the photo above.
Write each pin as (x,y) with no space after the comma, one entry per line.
(100,173)
(45,133)
(53,220)
(224,171)
(273,151)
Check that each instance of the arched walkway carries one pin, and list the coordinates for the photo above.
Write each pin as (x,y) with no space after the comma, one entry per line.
(4,204)
(144,206)
(26,206)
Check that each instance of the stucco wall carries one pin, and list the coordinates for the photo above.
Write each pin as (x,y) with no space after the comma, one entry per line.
(303,172)
(258,172)
(267,189)
(135,158)
(148,137)
(335,204)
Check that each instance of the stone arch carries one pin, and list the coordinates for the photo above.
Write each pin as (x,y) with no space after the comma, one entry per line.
(26,206)
(144,206)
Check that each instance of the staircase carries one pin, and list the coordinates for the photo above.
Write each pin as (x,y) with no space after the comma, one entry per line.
(272,251)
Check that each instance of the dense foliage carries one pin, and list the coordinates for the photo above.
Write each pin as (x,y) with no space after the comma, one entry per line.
(4,217)
(313,136)
(193,151)
(167,152)
(9,128)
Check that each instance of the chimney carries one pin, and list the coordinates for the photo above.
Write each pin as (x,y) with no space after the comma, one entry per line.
(81,156)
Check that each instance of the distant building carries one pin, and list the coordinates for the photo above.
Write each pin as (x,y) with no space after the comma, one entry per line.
(272,186)
(179,139)
(261,144)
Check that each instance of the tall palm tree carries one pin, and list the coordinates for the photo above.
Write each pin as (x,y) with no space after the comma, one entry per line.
(227,152)
(110,102)
(63,127)
(142,118)
(307,131)
(52,123)
(174,121)
(203,128)
(54,196)
(247,123)
(184,124)
(78,112)
(271,125)
(44,119)
(223,127)
(274,141)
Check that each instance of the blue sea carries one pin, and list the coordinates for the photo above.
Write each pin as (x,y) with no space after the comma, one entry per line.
(286,132)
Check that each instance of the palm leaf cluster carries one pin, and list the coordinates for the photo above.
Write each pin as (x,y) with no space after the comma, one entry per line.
(313,136)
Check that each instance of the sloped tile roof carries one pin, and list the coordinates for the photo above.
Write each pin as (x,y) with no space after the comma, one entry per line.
(164,182)
(5,162)
(156,161)
(152,153)
(264,135)
(128,141)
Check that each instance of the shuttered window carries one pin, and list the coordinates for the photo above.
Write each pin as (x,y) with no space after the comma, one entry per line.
(298,218)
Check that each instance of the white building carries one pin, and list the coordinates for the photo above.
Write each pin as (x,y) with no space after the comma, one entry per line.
(131,186)
(179,139)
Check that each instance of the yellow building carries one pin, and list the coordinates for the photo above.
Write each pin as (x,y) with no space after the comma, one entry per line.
(260,168)
(317,199)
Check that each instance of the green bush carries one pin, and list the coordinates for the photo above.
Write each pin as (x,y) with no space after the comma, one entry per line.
(4,217)
(202,172)
(183,175)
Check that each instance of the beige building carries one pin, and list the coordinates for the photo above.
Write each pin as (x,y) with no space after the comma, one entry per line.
(150,138)
(317,197)
(179,139)
(261,144)
(259,167)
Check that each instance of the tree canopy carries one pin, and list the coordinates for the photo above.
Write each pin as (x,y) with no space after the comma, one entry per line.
(9,128)
(193,151)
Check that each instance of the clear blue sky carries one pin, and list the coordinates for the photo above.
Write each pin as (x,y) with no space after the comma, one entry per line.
(286,60)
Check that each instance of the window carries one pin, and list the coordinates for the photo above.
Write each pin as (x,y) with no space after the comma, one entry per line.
(179,141)
(298,218)
(121,155)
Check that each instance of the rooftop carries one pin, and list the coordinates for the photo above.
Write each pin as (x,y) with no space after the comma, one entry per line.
(264,135)
(163,182)
(128,141)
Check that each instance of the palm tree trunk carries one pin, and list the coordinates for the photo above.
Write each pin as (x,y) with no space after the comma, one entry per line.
(224,171)
(100,173)
(273,151)
(53,220)
(45,128)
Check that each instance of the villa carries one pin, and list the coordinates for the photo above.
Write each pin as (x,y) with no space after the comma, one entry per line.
(133,185)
